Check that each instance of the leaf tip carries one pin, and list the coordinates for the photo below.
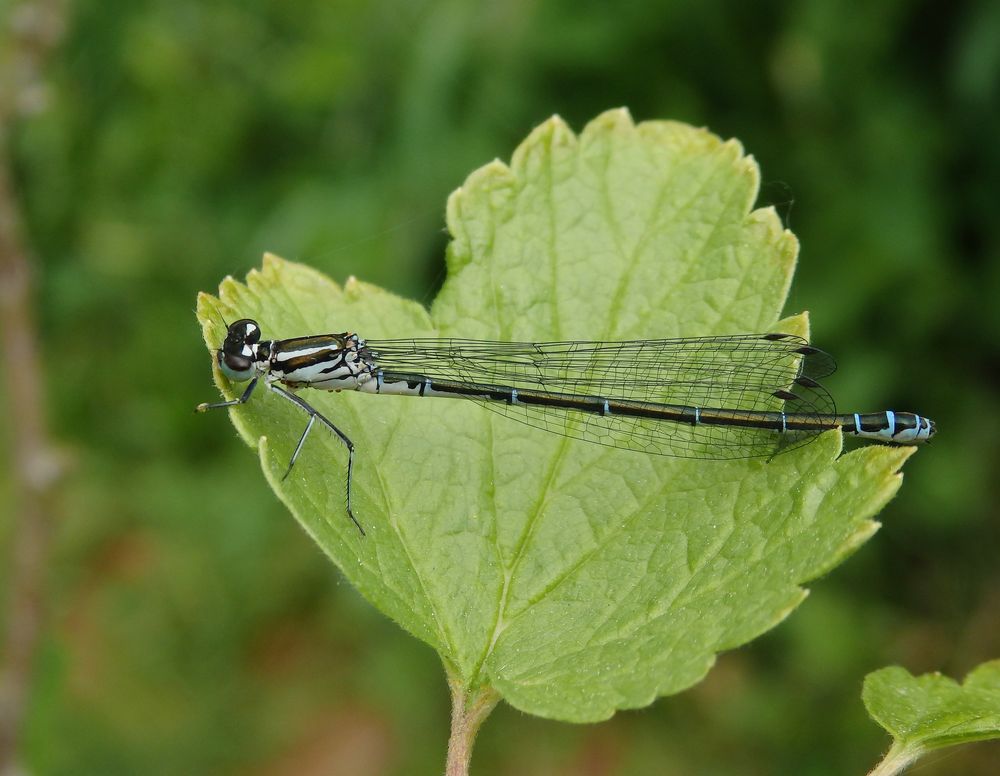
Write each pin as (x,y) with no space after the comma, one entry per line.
(205,305)
(230,290)
(354,289)
(487,189)
(797,324)
(615,119)
(263,448)
(862,533)
(548,137)
(555,129)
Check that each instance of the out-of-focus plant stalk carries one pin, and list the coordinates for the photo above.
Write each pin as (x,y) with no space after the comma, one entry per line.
(31,32)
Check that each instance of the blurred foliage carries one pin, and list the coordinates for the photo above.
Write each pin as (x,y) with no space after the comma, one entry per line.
(194,629)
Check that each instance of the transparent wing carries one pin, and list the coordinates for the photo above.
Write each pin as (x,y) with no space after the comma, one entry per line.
(765,372)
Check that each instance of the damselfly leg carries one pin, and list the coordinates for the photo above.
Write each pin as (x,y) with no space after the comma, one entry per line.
(315,415)
(231,403)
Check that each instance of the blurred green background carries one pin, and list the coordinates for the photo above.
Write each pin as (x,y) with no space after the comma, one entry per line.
(193,628)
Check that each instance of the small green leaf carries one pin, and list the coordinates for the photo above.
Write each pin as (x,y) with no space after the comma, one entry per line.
(570,578)
(932,711)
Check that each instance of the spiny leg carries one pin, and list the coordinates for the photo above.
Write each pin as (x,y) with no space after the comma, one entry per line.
(315,415)
(204,406)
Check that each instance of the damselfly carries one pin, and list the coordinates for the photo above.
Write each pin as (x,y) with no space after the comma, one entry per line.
(743,396)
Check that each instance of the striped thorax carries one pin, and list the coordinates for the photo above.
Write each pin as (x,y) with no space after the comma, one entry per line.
(330,362)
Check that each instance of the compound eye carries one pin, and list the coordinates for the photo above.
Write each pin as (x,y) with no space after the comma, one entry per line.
(251,332)
(244,330)
(236,367)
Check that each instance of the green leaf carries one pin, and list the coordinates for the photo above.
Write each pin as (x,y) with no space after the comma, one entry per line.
(932,711)
(571,578)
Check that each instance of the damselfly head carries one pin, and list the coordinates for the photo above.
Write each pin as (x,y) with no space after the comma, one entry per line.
(238,353)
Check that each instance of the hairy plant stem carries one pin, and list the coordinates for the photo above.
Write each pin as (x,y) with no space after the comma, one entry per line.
(469,709)
(897,759)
